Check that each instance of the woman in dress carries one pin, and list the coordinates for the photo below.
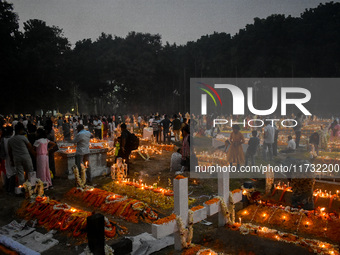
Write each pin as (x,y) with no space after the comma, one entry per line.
(8,168)
(235,153)
(335,131)
(41,146)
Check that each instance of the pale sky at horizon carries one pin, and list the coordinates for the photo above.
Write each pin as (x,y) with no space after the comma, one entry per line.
(177,21)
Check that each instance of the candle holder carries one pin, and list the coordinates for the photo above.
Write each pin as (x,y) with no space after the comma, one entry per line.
(119,170)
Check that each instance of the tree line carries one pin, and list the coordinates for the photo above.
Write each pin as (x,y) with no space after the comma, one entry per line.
(139,73)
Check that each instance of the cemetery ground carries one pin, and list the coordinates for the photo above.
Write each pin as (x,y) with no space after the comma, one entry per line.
(220,239)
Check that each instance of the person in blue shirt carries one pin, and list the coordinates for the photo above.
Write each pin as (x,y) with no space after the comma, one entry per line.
(82,139)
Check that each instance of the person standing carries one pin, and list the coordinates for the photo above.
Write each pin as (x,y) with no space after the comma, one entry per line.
(269,134)
(124,149)
(176,126)
(10,170)
(66,131)
(19,149)
(166,125)
(335,131)
(105,128)
(253,144)
(74,126)
(42,147)
(97,127)
(297,128)
(235,153)
(186,149)
(155,128)
(52,147)
(276,136)
(139,119)
(82,139)
(111,127)
(60,124)
(314,141)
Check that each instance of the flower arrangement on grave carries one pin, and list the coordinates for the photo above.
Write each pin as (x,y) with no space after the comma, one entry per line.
(127,208)
(228,210)
(212,201)
(52,214)
(165,220)
(38,190)
(80,180)
(151,194)
(119,170)
(179,177)
(196,208)
(186,234)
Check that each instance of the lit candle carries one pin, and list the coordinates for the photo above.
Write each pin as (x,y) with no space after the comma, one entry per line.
(240,219)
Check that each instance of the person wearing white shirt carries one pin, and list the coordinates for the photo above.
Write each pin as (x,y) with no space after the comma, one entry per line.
(97,127)
(269,133)
(291,147)
(25,122)
(139,119)
(150,121)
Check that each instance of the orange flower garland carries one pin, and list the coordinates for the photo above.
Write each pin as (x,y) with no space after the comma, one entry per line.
(55,215)
(178,177)
(165,219)
(196,208)
(129,209)
(212,201)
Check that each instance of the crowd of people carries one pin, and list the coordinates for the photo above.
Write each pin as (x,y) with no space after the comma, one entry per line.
(28,143)
(234,149)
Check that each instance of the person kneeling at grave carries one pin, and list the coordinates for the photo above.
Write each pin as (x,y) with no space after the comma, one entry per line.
(176,159)
(291,147)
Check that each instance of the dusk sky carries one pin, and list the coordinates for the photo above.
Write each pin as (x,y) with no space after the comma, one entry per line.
(176,21)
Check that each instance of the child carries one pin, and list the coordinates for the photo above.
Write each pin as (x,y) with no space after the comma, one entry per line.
(253,144)
(41,146)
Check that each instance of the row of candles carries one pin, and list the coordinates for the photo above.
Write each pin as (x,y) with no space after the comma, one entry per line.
(325,193)
(321,211)
(143,186)
(284,218)
(317,192)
